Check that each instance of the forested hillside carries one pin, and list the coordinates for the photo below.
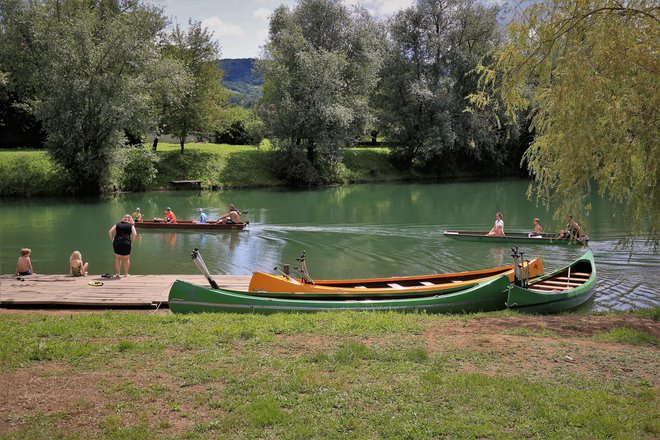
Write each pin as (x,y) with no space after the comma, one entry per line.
(241,78)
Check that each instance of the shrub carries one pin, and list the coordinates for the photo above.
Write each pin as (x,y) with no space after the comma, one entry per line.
(140,171)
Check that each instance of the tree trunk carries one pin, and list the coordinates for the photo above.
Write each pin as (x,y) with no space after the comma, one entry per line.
(183,141)
(155,145)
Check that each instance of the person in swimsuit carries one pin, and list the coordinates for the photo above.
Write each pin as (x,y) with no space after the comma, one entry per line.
(572,231)
(76,266)
(202,216)
(24,264)
(234,216)
(498,228)
(122,235)
(538,229)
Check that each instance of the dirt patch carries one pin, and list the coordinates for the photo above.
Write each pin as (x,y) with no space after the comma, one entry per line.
(542,346)
(75,399)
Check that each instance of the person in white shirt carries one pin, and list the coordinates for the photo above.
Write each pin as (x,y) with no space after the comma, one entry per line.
(498,228)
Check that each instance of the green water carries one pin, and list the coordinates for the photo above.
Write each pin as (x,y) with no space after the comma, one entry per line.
(348,231)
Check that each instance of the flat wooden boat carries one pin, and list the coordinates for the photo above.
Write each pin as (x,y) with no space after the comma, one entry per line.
(561,290)
(189,224)
(267,285)
(512,238)
(487,295)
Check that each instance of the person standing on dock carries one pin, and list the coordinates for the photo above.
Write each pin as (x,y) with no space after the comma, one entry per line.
(122,235)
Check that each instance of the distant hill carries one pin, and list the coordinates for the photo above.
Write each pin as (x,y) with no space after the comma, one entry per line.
(241,78)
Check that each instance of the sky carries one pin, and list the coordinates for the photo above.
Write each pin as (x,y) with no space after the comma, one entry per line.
(241,26)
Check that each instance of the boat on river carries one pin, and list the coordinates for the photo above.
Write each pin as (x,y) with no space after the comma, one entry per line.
(189,224)
(487,295)
(512,238)
(561,290)
(285,286)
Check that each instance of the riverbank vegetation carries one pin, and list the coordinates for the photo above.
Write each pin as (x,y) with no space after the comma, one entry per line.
(442,82)
(329,375)
(28,173)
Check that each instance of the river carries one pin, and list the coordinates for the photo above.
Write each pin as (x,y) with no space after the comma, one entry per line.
(346,231)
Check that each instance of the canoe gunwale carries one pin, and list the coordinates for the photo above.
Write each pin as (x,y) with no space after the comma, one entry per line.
(538,301)
(186,297)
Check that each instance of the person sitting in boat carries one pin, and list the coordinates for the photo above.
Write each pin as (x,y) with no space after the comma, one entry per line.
(498,228)
(137,215)
(202,216)
(169,217)
(572,231)
(538,229)
(234,216)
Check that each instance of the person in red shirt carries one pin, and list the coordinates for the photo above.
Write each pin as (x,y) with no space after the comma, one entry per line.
(169,216)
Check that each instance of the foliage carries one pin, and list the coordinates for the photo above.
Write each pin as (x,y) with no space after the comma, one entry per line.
(30,173)
(588,71)
(197,105)
(433,47)
(243,80)
(320,67)
(82,65)
(239,126)
(140,170)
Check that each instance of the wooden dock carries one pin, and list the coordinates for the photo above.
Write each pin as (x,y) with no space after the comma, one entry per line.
(63,291)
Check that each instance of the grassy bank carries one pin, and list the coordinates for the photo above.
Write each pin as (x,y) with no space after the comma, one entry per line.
(30,172)
(339,375)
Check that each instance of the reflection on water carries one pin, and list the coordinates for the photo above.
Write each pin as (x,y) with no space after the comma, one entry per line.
(356,231)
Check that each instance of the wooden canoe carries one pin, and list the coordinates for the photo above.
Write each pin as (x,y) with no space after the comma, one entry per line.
(185,297)
(189,224)
(511,238)
(561,290)
(267,285)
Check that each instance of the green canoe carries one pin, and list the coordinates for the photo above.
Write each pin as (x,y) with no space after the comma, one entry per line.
(512,238)
(190,298)
(562,290)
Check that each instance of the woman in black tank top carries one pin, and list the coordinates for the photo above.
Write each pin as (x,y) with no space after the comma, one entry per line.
(122,236)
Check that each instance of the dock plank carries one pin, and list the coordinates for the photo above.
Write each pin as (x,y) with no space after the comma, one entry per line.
(132,291)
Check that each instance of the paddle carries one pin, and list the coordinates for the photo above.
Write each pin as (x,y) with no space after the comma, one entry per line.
(199,262)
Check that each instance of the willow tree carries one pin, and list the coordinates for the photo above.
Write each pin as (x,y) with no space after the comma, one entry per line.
(588,70)
(82,67)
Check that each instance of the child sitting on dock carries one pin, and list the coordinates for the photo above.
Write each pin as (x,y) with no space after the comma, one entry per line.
(24,264)
(76,266)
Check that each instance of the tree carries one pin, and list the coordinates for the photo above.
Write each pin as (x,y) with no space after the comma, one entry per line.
(320,67)
(199,98)
(433,47)
(588,70)
(82,66)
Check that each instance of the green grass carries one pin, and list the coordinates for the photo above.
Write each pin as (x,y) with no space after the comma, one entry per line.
(627,335)
(329,375)
(526,331)
(29,172)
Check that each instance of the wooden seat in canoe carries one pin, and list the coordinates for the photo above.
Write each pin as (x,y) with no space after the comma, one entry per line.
(395,285)
(427,283)
(581,274)
(572,278)
(563,283)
